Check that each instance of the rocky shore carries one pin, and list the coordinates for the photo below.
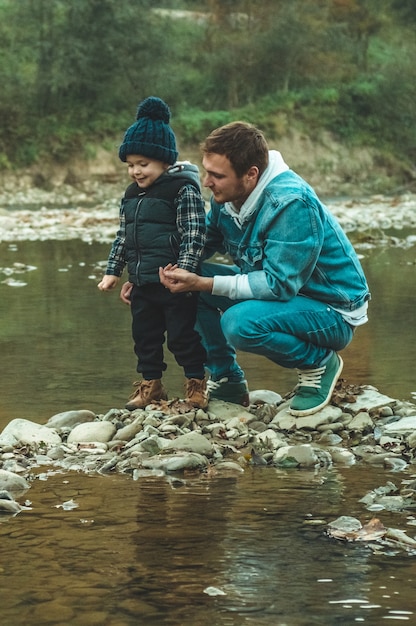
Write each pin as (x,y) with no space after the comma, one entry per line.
(91,214)
(173,440)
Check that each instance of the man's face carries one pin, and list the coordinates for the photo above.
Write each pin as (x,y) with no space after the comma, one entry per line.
(224,183)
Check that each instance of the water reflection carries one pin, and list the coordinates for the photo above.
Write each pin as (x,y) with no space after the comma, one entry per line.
(156,551)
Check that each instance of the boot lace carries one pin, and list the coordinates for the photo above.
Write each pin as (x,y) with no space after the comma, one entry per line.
(140,385)
(311,378)
(194,385)
(215,384)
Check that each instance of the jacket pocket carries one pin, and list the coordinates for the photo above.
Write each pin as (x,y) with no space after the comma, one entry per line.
(252,255)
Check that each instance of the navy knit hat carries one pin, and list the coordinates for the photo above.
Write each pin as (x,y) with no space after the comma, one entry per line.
(151,135)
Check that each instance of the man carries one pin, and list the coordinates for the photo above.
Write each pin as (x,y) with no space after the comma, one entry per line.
(297,290)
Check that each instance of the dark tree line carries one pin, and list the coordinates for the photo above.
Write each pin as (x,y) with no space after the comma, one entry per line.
(72,72)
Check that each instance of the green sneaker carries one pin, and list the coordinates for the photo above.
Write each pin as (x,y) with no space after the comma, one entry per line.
(228,391)
(315,387)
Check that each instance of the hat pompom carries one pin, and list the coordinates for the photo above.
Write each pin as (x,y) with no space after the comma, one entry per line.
(155,109)
(151,135)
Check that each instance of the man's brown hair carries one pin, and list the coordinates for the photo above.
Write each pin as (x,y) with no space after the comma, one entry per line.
(243,144)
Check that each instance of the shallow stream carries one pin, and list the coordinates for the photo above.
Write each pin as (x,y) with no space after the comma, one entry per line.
(202,551)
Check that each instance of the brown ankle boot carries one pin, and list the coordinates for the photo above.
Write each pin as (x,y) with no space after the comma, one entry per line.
(147,391)
(196,392)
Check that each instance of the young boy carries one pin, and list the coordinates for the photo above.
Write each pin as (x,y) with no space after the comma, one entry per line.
(162,220)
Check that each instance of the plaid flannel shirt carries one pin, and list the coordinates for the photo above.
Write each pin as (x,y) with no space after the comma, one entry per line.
(190,222)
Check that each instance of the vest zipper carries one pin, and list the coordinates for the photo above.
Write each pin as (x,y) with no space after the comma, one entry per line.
(136,243)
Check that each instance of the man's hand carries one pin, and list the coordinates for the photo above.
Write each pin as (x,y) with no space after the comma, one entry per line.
(125,292)
(178,280)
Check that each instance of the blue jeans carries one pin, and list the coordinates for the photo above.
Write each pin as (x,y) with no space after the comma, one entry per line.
(300,333)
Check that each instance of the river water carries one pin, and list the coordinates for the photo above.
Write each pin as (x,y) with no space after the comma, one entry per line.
(207,551)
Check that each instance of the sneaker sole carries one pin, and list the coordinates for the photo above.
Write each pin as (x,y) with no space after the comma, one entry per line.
(240,397)
(244,401)
(323,404)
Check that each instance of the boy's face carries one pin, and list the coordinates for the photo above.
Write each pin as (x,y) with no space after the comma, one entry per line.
(144,171)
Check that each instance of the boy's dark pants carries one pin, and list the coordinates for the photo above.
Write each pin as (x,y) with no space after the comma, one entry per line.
(155,310)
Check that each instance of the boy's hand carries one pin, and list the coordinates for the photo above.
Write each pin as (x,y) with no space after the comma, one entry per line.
(108,282)
(125,292)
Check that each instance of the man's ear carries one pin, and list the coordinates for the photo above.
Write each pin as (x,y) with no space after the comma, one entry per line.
(253,174)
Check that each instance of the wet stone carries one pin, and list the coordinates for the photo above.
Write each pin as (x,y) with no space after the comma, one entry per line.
(12,483)
(22,432)
(303,455)
(92,431)
(70,419)
(175,463)
(361,422)
(193,442)
(370,398)
(405,426)
(163,440)
(341,456)
(326,416)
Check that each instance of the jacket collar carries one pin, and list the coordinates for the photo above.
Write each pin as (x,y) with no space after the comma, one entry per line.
(275,167)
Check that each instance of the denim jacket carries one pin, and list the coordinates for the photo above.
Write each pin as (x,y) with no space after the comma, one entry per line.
(290,244)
